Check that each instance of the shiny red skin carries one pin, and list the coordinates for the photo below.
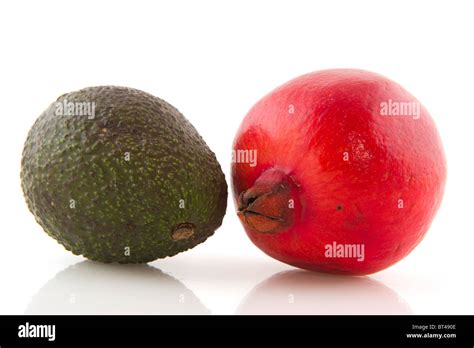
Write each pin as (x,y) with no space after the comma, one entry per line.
(348,202)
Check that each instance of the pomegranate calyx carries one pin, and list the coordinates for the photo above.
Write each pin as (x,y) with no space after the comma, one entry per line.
(266,206)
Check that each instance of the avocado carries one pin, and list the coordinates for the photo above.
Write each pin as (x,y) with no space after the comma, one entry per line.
(118,175)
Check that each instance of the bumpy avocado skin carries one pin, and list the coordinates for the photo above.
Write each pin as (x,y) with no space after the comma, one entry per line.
(115,187)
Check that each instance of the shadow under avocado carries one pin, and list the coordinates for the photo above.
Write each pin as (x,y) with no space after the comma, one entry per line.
(94,288)
(304,292)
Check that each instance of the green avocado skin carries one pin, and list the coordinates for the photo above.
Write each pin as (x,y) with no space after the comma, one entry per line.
(114,186)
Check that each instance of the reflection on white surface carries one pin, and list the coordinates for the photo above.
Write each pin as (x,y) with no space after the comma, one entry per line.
(304,292)
(94,288)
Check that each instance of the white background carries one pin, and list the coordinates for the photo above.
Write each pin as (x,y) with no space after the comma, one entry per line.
(213,60)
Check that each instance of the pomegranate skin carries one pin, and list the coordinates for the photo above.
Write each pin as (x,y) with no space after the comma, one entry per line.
(337,167)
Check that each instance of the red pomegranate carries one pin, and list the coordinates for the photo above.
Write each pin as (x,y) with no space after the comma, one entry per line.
(338,171)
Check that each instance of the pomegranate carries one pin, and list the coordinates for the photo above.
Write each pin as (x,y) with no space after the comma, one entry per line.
(339,171)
